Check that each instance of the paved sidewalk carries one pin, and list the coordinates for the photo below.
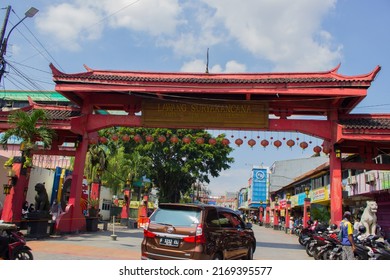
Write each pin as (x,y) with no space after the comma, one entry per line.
(90,245)
(277,245)
(271,245)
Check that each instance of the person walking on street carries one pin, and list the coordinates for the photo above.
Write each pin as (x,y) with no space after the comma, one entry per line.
(347,241)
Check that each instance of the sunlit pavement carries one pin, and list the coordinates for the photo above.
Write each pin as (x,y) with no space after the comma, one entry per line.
(271,245)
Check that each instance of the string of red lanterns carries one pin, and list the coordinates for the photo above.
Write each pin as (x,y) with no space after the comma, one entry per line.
(174,139)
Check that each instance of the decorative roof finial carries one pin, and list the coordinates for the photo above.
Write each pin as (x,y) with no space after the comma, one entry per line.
(207,61)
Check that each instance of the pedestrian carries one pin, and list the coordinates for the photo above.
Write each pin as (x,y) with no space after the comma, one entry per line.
(55,210)
(25,208)
(291,225)
(31,208)
(346,237)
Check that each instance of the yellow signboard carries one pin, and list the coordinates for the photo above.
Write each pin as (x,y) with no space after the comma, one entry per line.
(159,113)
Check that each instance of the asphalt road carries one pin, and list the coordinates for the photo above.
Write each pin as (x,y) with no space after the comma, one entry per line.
(271,245)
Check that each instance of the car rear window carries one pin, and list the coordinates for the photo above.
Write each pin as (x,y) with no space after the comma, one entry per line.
(176,217)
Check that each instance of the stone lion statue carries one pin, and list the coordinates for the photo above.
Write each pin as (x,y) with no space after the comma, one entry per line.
(368,219)
(41,198)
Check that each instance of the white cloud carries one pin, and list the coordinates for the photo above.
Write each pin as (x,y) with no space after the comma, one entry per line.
(287,33)
(70,23)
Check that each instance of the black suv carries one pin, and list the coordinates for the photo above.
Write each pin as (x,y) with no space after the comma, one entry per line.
(196,231)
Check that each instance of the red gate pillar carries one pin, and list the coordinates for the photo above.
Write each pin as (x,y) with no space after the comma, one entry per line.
(267,209)
(18,184)
(261,209)
(288,207)
(73,220)
(276,216)
(306,211)
(125,207)
(336,199)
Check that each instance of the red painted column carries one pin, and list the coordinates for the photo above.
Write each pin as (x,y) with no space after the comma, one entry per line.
(306,211)
(261,209)
(288,207)
(276,216)
(12,209)
(267,214)
(336,199)
(73,220)
(125,207)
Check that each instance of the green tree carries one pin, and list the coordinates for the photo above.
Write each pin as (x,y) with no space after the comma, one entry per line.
(175,166)
(29,127)
(96,163)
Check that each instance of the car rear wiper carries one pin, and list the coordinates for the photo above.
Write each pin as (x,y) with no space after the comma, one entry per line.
(164,224)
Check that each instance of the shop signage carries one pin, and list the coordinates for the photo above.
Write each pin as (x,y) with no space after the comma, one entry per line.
(161,113)
(320,194)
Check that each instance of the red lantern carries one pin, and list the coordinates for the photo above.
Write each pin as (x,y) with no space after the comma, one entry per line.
(225,142)
(149,138)
(199,140)
(186,140)
(126,138)
(162,139)
(212,141)
(303,145)
(137,138)
(251,143)
(103,140)
(93,141)
(264,143)
(239,142)
(326,150)
(114,137)
(277,144)
(317,149)
(290,143)
(174,139)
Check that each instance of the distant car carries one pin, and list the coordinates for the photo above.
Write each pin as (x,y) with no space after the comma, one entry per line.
(195,231)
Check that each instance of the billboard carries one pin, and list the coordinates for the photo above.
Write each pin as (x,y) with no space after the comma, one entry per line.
(259,187)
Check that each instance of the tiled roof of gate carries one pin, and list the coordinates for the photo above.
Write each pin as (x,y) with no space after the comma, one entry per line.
(60,114)
(193,80)
(205,78)
(366,123)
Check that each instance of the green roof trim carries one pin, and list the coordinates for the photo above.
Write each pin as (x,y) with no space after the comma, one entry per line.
(35,96)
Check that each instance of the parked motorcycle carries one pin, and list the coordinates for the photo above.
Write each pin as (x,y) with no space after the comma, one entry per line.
(306,234)
(329,242)
(15,242)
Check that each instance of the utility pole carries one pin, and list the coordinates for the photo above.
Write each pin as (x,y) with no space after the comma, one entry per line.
(2,34)
(4,39)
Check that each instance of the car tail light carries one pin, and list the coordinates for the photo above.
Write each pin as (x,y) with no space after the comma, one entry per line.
(198,238)
(149,234)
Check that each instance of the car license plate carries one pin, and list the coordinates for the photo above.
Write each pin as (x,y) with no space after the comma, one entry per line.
(169,242)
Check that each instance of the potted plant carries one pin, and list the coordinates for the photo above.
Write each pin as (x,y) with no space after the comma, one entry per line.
(93,211)
(93,207)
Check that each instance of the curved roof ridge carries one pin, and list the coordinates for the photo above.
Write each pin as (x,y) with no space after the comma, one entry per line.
(369,76)
(100,74)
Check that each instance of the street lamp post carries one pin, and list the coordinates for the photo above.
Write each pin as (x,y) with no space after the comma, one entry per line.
(4,39)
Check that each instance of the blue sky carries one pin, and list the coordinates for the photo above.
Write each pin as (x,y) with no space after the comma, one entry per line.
(173,35)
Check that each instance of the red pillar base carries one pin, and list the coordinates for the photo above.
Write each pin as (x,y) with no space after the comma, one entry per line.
(70,221)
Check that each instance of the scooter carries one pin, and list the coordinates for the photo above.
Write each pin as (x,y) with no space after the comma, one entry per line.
(16,242)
